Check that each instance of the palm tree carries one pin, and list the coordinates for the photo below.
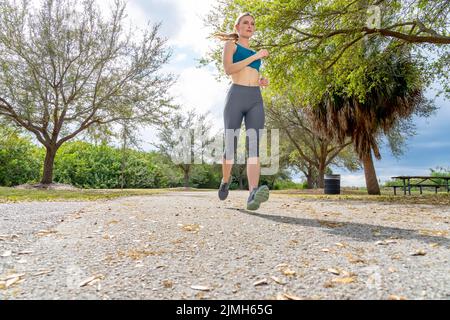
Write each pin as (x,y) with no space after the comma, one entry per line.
(396,93)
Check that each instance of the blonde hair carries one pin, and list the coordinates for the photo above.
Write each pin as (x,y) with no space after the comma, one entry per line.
(233,36)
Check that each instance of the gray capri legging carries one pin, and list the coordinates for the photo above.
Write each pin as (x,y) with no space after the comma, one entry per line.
(243,102)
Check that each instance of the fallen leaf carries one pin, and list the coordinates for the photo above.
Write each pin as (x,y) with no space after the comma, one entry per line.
(41,273)
(167,284)
(91,280)
(352,259)
(11,276)
(291,297)
(334,271)
(278,280)
(5,237)
(200,288)
(288,272)
(200,295)
(191,228)
(436,233)
(344,280)
(43,233)
(10,282)
(260,282)
(13,280)
(24,252)
(419,253)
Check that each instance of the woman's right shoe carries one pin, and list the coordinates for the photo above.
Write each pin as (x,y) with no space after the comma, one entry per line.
(223,190)
(257,196)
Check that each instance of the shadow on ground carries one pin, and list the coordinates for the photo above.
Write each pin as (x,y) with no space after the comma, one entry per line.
(358,231)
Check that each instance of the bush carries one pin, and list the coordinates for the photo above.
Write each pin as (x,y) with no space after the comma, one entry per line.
(104,167)
(287,184)
(20,160)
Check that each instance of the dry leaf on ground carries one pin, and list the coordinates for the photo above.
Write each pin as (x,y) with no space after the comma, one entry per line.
(261,282)
(278,280)
(200,288)
(419,253)
(91,280)
(345,280)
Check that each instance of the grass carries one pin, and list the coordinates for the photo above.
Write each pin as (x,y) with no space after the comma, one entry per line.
(15,195)
(387,195)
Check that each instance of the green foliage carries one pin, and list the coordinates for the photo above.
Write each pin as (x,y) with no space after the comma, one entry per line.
(286,185)
(313,43)
(88,166)
(19,159)
(440,172)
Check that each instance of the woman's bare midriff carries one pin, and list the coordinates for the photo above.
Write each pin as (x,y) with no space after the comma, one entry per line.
(246,77)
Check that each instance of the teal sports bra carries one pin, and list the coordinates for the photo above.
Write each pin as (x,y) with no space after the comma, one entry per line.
(243,53)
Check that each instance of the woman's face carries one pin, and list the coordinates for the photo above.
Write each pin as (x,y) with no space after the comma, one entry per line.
(246,27)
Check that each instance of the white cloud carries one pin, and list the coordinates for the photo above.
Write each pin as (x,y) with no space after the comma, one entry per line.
(199,90)
(192,32)
(180,57)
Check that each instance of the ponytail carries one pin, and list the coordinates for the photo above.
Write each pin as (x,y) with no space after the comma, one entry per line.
(227,36)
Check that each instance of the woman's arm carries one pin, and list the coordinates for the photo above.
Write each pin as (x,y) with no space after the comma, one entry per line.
(231,67)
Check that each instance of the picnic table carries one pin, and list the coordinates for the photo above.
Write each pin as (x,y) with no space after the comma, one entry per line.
(425,181)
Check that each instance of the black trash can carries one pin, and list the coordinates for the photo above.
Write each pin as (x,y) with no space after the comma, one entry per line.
(333,184)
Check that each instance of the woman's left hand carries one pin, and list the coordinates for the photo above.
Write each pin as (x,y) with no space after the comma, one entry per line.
(263,82)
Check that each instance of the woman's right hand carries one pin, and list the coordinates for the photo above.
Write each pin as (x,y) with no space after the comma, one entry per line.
(262,54)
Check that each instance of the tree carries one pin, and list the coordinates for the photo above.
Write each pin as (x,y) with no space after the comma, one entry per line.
(177,140)
(304,34)
(309,152)
(65,68)
(352,81)
(398,96)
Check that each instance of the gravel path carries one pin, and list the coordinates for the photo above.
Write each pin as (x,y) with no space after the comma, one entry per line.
(191,246)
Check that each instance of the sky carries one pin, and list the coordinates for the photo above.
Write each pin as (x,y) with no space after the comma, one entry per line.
(198,89)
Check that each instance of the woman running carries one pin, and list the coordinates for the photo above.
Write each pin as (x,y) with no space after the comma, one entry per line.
(243,101)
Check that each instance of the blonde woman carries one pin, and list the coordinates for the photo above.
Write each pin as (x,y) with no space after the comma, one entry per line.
(244,101)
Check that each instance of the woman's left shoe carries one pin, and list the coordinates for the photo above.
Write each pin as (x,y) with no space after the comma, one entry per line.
(257,196)
(224,190)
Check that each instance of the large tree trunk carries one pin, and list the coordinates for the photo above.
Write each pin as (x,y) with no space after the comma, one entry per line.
(321,177)
(49,163)
(373,187)
(186,178)
(310,179)
(241,182)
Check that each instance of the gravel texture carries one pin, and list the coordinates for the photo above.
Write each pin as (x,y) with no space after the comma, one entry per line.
(189,245)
